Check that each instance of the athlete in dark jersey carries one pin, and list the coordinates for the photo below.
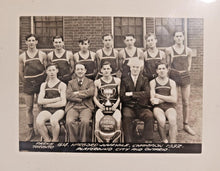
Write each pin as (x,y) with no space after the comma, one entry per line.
(163,97)
(179,68)
(50,93)
(108,53)
(63,59)
(87,58)
(151,56)
(52,97)
(129,52)
(179,58)
(32,73)
(107,83)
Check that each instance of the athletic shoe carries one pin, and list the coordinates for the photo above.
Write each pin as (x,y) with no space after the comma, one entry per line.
(189,130)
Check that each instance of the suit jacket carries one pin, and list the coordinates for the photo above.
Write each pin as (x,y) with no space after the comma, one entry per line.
(141,92)
(85,96)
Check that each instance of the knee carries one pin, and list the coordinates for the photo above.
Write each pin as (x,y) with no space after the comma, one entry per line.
(172,122)
(185,101)
(40,122)
(54,122)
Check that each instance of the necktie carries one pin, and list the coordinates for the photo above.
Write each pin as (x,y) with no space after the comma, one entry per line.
(135,81)
(80,83)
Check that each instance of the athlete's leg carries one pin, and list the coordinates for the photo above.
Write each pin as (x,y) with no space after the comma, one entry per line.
(54,121)
(71,124)
(29,101)
(171,116)
(98,117)
(117,116)
(84,129)
(161,119)
(185,90)
(40,122)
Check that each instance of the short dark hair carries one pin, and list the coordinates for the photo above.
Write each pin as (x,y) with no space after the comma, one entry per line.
(31,35)
(83,40)
(128,35)
(58,37)
(149,35)
(106,63)
(176,31)
(52,64)
(107,35)
(161,63)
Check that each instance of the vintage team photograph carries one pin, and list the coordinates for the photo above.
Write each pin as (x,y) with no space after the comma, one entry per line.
(110,84)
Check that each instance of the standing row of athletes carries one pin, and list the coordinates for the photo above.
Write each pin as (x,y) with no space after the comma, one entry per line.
(33,63)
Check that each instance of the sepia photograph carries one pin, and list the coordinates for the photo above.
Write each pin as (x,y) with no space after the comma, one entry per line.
(110,84)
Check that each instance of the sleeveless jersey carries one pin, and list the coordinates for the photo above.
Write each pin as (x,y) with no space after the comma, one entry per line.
(33,67)
(180,61)
(34,74)
(89,64)
(125,66)
(164,90)
(105,86)
(62,63)
(52,92)
(111,59)
(150,65)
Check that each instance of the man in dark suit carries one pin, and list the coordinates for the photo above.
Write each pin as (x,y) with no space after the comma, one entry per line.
(79,108)
(135,96)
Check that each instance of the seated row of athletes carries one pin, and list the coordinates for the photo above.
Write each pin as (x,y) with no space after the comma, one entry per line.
(136,79)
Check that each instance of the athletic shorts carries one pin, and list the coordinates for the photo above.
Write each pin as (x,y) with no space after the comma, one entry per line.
(181,79)
(165,106)
(52,110)
(32,85)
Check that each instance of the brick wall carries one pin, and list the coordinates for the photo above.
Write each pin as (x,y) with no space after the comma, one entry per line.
(91,27)
(25,29)
(94,27)
(195,41)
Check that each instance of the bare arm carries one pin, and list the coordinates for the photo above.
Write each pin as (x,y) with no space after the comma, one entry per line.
(21,67)
(153,99)
(93,55)
(100,106)
(117,59)
(121,59)
(71,60)
(49,57)
(44,101)
(140,54)
(43,58)
(168,56)
(62,101)
(189,58)
(118,81)
(97,58)
(173,94)
(163,56)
